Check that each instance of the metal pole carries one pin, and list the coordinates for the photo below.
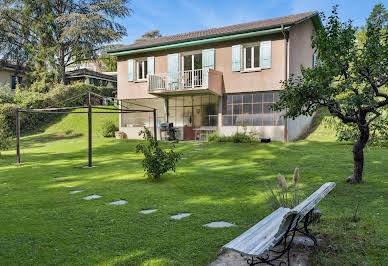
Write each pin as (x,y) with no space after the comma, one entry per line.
(90,134)
(17,137)
(155,135)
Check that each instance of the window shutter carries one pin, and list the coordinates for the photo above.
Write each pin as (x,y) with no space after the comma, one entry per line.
(208,58)
(236,58)
(314,60)
(173,69)
(207,63)
(265,54)
(151,65)
(131,73)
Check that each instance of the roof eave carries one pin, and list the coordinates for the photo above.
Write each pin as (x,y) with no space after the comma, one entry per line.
(194,42)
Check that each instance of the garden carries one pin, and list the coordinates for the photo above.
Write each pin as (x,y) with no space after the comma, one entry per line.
(44,222)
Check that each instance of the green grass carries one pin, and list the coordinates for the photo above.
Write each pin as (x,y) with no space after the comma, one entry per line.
(41,223)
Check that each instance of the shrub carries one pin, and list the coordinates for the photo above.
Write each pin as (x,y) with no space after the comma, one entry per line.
(108,129)
(156,161)
(236,138)
(5,141)
(284,195)
(56,97)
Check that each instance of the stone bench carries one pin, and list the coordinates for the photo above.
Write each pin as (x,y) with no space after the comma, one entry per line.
(274,230)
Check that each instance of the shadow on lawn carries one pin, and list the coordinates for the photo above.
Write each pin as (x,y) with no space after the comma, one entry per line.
(213,184)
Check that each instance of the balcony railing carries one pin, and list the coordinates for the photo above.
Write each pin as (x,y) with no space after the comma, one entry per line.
(186,80)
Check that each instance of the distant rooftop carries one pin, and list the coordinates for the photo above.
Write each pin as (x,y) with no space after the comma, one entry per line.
(215,32)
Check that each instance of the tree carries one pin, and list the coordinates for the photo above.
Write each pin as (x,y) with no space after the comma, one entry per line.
(349,79)
(54,34)
(153,34)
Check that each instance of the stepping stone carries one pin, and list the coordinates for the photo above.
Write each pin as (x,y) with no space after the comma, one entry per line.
(69,186)
(220,224)
(61,177)
(92,197)
(180,216)
(35,166)
(197,144)
(148,211)
(75,191)
(119,202)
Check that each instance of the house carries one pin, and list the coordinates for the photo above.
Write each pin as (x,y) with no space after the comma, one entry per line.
(84,75)
(224,79)
(11,74)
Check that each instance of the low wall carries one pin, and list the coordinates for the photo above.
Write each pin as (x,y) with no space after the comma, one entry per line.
(274,132)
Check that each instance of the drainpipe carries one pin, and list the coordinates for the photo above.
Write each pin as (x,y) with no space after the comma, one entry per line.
(286,44)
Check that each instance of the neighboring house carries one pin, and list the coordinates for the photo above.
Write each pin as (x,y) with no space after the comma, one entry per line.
(223,78)
(10,75)
(104,79)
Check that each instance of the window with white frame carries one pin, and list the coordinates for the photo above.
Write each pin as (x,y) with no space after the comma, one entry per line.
(141,69)
(252,57)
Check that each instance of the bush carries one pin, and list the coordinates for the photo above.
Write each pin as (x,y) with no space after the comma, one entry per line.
(236,138)
(108,129)
(283,195)
(156,161)
(33,99)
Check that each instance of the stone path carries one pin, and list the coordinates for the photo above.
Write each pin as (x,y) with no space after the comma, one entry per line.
(148,211)
(75,191)
(180,216)
(119,202)
(92,197)
(220,224)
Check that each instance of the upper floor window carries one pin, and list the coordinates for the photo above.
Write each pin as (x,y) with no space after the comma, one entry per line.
(252,57)
(141,69)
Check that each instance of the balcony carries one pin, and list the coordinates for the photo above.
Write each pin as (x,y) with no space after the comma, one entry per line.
(186,83)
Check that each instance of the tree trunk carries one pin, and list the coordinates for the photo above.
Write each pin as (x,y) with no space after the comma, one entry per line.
(358,155)
(61,66)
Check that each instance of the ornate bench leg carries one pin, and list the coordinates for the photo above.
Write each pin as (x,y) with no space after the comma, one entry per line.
(285,249)
(305,231)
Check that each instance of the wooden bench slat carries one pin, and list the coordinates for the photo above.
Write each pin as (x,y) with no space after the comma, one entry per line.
(308,204)
(270,230)
(263,223)
(261,235)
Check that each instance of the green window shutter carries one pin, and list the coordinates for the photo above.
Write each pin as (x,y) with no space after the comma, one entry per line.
(208,56)
(236,58)
(151,65)
(173,70)
(265,54)
(131,72)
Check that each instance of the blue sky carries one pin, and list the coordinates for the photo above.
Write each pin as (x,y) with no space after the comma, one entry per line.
(178,16)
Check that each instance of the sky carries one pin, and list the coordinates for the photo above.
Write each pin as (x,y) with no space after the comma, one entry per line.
(179,16)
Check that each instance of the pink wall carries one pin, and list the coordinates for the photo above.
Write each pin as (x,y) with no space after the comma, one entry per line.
(233,82)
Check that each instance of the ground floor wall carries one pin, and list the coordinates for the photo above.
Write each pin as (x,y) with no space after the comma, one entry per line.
(298,127)
(226,115)
(275,133)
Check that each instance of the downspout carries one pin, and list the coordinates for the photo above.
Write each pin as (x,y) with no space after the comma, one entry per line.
(286,44)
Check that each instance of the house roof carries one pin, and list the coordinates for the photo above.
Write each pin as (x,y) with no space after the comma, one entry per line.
(83,72)
(4,65)
(222,31)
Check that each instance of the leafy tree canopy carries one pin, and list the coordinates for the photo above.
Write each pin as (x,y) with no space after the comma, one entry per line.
(349,79)
(49,35)
(149,35)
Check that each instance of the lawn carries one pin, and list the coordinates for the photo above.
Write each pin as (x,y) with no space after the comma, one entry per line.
(41,223)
